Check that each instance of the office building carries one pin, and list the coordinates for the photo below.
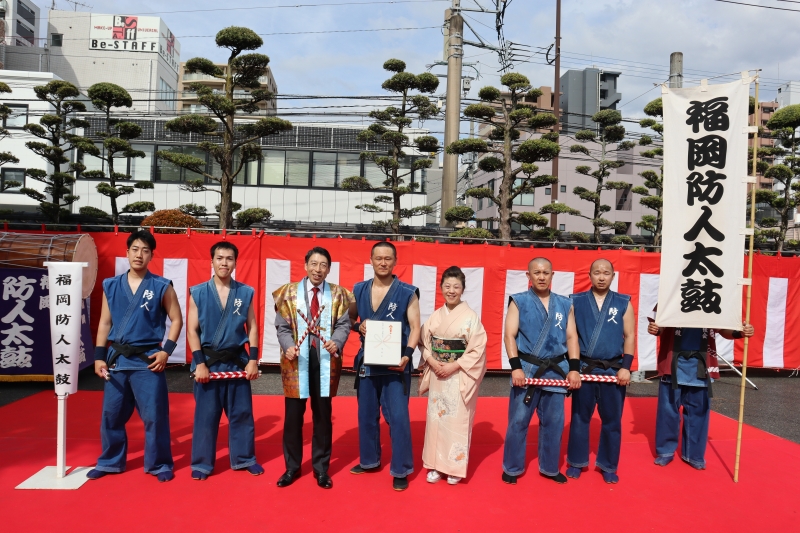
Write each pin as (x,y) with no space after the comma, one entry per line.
(584,93)
(188,103)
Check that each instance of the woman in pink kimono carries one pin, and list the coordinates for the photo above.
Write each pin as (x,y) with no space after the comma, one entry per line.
(453,346)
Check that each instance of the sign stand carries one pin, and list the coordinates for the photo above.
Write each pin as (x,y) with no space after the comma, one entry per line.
(56,477)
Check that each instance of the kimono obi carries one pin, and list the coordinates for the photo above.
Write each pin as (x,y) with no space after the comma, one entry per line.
(447,350)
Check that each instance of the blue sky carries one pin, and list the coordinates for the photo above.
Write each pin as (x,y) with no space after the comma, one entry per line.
(635,37)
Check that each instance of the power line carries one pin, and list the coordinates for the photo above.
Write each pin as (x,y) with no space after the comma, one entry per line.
(758,5)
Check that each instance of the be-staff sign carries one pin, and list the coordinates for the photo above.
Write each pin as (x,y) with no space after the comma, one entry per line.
(131,33)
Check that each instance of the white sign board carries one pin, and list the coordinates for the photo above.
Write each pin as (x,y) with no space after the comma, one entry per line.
(382,343)
(131,33)
(705,193)
(66,289)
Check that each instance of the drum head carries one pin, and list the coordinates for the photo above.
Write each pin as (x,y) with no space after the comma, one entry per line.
(86,252)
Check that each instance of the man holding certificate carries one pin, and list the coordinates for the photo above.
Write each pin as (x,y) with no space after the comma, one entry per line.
(388,310)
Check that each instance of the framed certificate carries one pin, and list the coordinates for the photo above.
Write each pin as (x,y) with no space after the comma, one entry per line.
(382,343)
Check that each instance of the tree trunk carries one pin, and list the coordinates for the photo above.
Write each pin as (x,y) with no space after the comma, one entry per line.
(111,180)
(505,206)
(226,183)
(657,234)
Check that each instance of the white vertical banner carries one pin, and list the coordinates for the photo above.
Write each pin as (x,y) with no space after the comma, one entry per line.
(705,195)
(516,282)
(473,292)
(646,343)
(66,288)
(177,271)
(279,273)
(424,278)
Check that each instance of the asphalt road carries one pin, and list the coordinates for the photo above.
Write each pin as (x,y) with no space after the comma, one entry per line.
(772,408)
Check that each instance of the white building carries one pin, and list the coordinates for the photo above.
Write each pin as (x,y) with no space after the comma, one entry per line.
(140,54)
(20,19)
(788,94)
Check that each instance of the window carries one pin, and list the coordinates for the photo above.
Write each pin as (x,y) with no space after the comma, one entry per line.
(94,162)
(374,175)
(624,199)
(18,116)
(141,168)
(562,227)
(324,170)
(25,32)
(273,166)
(26,13)
(166,94)
(521,199)
(12,174)
(56,39)
(563,188)
(480,204)
(166,171)
(297,167)
(348,165)
(548,191)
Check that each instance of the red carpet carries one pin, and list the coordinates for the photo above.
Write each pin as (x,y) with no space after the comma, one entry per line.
(648,498)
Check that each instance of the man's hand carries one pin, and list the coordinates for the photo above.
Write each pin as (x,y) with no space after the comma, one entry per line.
(332,348)
(518,378)
(291,353)
(447,370)
(574,379)
(652,328)
(160,361)
(623,377)
(363,327)
(251,370)
(99,366)
(201,373)
(747,329)
(402,366)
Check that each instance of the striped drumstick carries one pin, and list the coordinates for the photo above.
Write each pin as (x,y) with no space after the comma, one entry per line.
(541,382)
(316,317)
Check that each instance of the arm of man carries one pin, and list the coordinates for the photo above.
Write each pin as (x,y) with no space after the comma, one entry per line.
(573,350)
(341,332)
(252,337)
(510,340)
(362,326)
(173,308)
(102,337)
(412,314)
(193,336)
(285,337)
(629,333)
(747,331)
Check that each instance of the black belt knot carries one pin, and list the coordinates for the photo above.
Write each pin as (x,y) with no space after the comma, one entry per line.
(129,350)
(604,364)
(550,363)
(232,355)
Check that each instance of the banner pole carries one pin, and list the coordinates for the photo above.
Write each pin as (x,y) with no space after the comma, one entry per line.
(61,437)
(749,286)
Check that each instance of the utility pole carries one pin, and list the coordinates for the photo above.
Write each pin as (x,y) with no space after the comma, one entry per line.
(676,70)
(452,118)
(556,110)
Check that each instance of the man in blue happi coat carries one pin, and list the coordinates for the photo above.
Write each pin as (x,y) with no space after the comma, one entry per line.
(220,327)
(381,388)
(606,334)
(136,305)
(541,342)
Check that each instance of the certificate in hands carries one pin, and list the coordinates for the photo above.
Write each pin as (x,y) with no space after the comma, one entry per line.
(382,343)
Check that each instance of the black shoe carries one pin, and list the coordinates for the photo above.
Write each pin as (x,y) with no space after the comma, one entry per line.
(400,484)
(558,478)
(323,480)
(358,470)
(288,477)
(511,480)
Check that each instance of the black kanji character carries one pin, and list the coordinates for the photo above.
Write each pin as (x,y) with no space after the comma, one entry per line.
(711,150)
(62,299)
(699,261)
(712,114)
(62,359)
(697,297)
(704,223)
(62,379)
(62,320)
(64,279)
(705,189)
(63,340)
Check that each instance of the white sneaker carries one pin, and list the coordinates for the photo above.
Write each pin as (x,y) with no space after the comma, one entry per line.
(433,476)
(453,480)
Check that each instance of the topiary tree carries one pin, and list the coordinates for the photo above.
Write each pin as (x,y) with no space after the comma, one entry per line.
(57,133)
(516,160)
(388,128)
(252,216)
(193,210)
(237,143)
(783,124)
(611,133)
(6,157)
(171,218)
(459,213)
(117,145)
(652,191)
(91,211)
(472,233)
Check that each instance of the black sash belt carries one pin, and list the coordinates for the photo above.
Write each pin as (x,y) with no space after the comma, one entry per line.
(702,367)
(604,364)
(544,365)
(129,350)
(232,355)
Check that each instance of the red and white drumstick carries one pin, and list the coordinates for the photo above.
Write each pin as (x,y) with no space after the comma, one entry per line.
(106,375)
(313,321)
(541,382)
(239,374)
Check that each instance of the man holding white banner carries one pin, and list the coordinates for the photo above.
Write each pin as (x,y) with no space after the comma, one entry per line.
(700,293)
(136,305)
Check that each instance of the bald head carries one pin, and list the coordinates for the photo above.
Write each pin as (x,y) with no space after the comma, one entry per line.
(543,261)
(601,262)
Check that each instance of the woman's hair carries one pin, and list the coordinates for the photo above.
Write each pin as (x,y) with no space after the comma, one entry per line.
(454,272)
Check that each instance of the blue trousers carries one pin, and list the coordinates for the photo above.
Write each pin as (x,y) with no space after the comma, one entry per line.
(549,406)
(235,397)
(609,400)
(145,391)
(387,394)
(696,414)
